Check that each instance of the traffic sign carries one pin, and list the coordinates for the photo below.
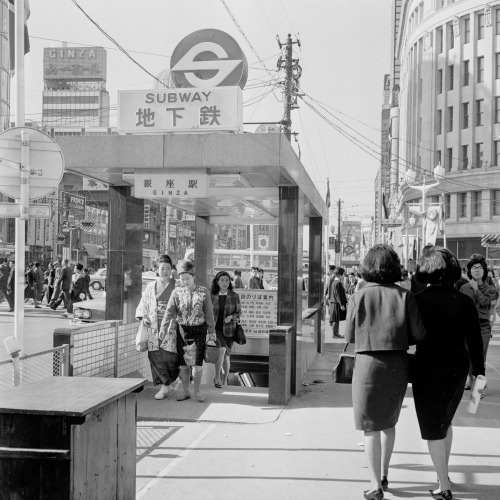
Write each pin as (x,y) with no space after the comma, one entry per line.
(208,58)
(46,163)
(13,210)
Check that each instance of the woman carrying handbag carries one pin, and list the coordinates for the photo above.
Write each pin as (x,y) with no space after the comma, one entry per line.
(227,311)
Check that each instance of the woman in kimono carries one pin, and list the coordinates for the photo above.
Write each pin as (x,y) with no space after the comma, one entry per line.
(162,354)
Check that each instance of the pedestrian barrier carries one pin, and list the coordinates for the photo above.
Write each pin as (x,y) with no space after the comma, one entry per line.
(103,349)
(20,370)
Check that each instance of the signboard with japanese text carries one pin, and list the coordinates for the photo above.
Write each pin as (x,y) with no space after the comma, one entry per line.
(259,311)
(171,184)
(71,212)
(351,242)
(173,110)
(74,63)
(147,214)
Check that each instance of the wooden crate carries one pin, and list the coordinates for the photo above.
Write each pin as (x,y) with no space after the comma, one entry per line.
(68,437)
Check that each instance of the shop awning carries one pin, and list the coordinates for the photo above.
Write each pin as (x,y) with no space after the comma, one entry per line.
(94,251)
(490,240)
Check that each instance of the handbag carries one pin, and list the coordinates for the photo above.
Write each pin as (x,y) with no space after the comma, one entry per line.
(141,339)
(212,351)
(239,335)
(344,369)
(189,350)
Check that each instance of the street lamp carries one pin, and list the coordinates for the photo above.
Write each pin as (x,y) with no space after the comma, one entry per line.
(410,177)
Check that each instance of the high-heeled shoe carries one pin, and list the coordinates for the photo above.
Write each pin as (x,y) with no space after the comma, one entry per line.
(385,483)
(374,494)
(441,494)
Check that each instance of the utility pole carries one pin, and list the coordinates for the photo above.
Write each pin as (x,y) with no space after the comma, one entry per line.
(291,84)
(338,244)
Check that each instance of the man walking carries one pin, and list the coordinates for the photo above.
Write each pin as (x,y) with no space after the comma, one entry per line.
(63,283)
(11,286)
(4,275)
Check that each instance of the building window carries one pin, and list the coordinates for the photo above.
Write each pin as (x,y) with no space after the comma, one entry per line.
(439,122)
(447,206)
(465,157)
(438,156)
(479,112)
(451,77)
(466,73)
(448,160)
(477,202)
(462,204)
(439,40)
(497,65)
(495,202)
(480,69)
(497,21)
(439,83)
(451,37)
(467,29)
(497,154)
(479,155)
(465,115)
(480,26)
(450,118)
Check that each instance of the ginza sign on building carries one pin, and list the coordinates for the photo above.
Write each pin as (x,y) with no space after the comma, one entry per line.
(209,70)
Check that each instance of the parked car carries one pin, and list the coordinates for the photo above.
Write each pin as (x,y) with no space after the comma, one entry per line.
(98,280)
(90,311)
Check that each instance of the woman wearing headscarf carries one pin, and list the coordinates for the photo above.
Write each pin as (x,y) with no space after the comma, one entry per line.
(227,311)
(162,353)
(383,320)
(442,357)
(191,309)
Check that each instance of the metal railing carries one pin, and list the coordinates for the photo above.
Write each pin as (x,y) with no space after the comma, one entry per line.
(28,368)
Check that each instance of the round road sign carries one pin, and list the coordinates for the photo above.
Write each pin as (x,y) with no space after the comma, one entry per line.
(208,58)
(46,163)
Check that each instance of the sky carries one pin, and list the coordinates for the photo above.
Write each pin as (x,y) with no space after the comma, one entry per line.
(344,54)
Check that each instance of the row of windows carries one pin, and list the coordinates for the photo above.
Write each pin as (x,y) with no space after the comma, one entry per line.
(68,99)
(476,199)
(463,29)
(71,113)
(464,160)
(465,118)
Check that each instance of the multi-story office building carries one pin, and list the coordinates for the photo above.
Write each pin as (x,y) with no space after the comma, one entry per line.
(75,92)
(448,102)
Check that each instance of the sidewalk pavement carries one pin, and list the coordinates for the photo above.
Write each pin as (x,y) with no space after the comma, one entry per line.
(234,445)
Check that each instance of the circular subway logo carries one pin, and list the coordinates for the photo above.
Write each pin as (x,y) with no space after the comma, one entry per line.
(208,58)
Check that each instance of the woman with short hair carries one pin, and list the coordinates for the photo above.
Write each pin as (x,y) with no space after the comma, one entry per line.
(383,320)
(442,358)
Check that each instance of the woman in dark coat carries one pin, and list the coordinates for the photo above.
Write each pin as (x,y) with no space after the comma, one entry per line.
(383,320)
(337,300)
(442,358)
(227,311)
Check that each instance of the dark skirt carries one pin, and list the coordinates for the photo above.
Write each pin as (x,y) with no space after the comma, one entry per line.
(226,342)
(196,334)
(337,314)
(378,388)
(438,387)
(164,367)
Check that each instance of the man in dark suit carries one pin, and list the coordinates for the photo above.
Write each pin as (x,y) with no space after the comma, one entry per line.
(64,283)
(11,286)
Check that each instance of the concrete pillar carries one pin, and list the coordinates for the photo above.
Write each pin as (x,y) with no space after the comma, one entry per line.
(124,268)
(204,251)
(316,272)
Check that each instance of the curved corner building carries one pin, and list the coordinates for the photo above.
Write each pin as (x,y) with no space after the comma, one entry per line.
(448,57)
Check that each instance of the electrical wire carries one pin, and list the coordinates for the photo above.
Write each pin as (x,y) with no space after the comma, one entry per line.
(110,38)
